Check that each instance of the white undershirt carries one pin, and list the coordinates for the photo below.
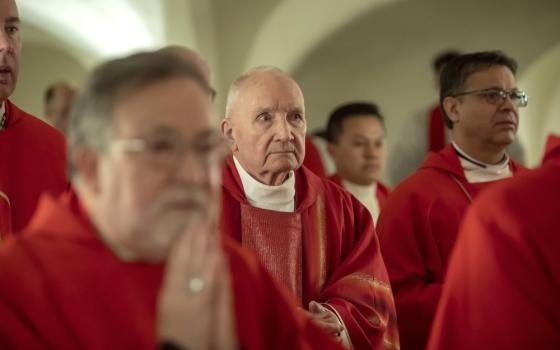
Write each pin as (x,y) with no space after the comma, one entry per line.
(477,171)
(366,195)
(259,195)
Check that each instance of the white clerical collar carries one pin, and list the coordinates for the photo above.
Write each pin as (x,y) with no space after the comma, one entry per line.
(367,195)
(259,195)
(477,171)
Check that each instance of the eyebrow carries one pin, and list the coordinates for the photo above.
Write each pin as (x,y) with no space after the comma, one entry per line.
(364,137)
(500,88)
(297,110)
(12,20)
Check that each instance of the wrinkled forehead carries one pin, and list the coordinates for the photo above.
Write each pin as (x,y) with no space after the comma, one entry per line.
(271,91)
(178,104)
(8,11)
(495,76)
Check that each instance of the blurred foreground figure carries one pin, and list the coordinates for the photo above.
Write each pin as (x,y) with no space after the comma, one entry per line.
(502,287)
(132,259)
(32,153)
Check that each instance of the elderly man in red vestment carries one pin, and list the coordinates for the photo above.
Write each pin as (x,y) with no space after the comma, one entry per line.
(356,135)
(313,236)
(132,258)
(32,153)
(502,287)
(419,223)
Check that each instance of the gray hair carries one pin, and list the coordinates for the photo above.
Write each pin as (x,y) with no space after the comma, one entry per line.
(237,83)
(91,116)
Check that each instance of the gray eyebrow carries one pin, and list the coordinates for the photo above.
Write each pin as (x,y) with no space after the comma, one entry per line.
(13,20)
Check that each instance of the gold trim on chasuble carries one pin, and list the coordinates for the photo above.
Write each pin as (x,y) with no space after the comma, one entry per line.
(382,303)
(276,238)
(5,197)
(318,222)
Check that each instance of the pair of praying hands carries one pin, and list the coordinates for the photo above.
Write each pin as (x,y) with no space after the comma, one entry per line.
(195,305)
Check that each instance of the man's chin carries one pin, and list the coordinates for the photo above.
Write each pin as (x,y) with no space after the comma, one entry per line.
(285,163)
(6,91)
(505,138)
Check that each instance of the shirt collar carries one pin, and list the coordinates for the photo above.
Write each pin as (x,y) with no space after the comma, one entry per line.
(477,171)
(259,195)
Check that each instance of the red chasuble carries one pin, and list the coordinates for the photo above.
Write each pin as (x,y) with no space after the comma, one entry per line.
(437,136)
(312,159)
(417,230)
(32,161)
(503,281)
(326,251)
(552,148)
(381,193)
(62,288)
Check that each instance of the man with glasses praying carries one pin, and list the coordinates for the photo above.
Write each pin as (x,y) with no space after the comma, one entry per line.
(131,259)
(419,223)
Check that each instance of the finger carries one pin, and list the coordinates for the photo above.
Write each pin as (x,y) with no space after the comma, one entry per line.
(180,254)
(224,314)
(199,249)
(315,307)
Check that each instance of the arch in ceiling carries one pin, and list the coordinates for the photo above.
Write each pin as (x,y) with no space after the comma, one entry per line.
(98,29)
(284,40)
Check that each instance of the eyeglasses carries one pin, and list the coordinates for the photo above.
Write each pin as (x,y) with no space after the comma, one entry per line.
(499,96)
(167,152)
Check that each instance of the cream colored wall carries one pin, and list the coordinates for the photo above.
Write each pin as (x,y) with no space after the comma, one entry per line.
(385,55)
(542,116)
(41,66)
(376,50)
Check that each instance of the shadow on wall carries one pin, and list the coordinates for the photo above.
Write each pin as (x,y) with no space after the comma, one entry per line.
(39,67)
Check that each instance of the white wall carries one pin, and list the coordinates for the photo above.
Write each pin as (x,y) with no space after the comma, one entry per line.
(542,116)
(39,67)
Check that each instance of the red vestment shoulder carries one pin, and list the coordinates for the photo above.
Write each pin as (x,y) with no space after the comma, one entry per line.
(552,148)
(341,265)
(417,230)
(502,284)
(33,162)
(62,288)
(312,159)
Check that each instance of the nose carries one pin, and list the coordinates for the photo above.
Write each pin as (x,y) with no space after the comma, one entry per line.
(283,131)
(371,150)
(509,104)
(190,168)
(5,41)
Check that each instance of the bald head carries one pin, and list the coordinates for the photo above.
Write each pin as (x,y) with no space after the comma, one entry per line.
(265,124)
(263,76)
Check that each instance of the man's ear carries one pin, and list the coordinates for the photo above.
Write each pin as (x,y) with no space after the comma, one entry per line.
(451,107)
(227,132)
(85,163)
(331,148)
